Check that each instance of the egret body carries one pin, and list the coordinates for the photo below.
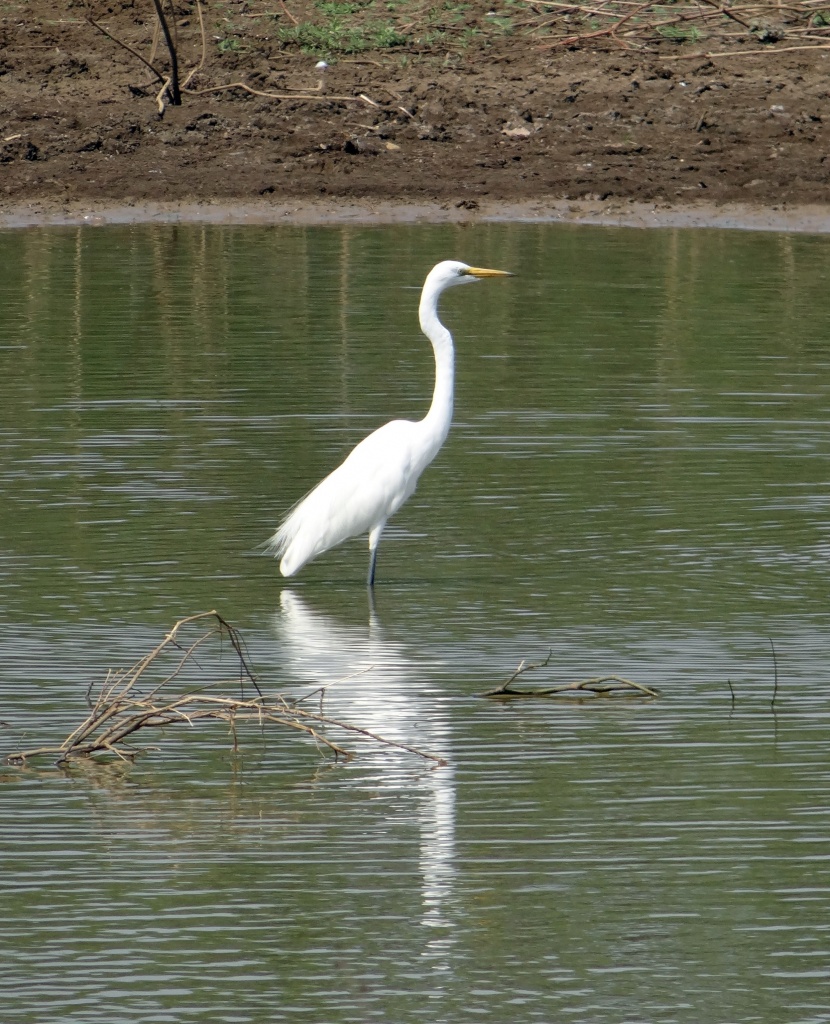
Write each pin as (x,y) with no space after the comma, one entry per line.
(383,470)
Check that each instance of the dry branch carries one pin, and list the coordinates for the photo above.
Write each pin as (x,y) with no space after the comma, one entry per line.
(174,91)
(145,696)
(596,686)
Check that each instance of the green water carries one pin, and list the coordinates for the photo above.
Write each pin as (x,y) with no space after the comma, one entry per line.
(637,480)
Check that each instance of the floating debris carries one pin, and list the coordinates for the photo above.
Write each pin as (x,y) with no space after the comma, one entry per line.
(596,686)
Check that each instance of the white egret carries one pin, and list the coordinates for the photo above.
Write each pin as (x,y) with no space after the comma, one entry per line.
(383,470)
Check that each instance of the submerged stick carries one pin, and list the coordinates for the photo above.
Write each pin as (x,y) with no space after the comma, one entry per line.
(775,675)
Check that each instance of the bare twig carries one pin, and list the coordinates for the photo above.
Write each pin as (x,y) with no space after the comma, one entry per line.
(724,10)
(274,95)
(288,13)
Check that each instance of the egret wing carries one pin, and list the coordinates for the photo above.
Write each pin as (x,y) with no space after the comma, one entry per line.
(369,486)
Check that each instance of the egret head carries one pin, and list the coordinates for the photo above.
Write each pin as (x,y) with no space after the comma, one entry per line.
(452,272)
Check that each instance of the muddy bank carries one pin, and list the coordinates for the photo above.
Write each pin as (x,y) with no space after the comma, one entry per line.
(815,219)
(493,124)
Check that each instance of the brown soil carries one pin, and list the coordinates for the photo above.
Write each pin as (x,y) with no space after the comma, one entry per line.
(465,118)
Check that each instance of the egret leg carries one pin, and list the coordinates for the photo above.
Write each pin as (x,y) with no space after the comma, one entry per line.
(374,541)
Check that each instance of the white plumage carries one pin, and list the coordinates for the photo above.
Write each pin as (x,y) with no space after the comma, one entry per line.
(383,470)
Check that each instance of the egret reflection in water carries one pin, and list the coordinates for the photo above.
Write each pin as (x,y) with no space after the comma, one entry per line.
(372,682)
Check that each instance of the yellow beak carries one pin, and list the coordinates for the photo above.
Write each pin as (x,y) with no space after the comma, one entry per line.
(484,272)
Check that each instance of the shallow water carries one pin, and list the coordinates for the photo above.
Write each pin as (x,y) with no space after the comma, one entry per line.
(636,481)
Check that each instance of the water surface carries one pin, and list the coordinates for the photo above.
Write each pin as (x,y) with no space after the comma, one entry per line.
(636,481)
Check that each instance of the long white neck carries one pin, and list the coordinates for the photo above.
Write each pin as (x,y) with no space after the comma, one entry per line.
(437,421)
